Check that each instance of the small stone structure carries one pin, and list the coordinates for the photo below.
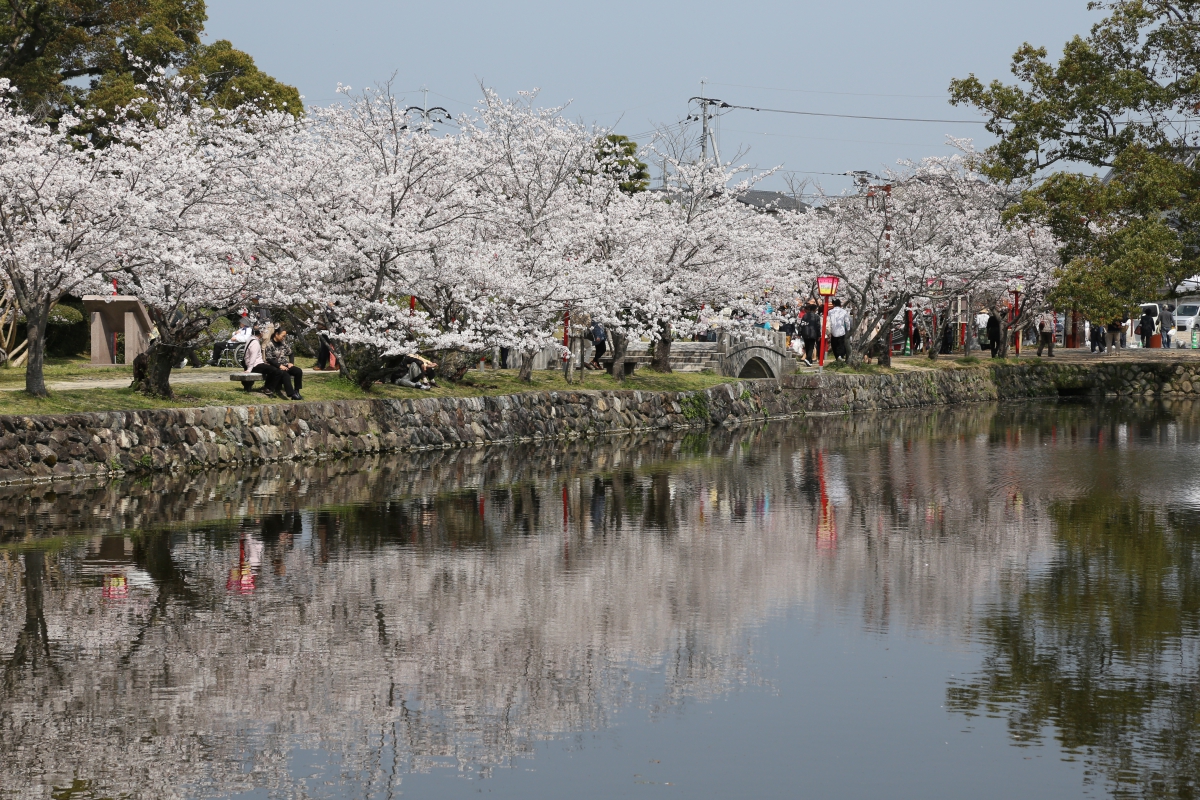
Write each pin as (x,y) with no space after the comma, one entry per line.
(760,353)
(113,314)
(47,447)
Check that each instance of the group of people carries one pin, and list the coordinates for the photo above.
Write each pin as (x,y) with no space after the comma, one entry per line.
(273,360)
(807,329)
(1154,320)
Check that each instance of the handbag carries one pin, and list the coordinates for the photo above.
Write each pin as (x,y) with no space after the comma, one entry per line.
(1138,330)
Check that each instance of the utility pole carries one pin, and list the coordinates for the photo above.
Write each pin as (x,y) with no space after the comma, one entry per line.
(703,123)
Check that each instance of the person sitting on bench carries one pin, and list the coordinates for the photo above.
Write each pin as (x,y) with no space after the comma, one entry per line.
(255,363)
(278,354)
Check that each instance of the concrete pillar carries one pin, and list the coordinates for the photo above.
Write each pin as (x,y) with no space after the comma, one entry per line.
(136,341)
(102,352)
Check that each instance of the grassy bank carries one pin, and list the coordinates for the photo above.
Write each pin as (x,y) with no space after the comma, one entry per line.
(317,386)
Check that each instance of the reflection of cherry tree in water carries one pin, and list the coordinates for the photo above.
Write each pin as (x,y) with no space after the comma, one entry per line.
(1103,646)
(32,649)
(399,629)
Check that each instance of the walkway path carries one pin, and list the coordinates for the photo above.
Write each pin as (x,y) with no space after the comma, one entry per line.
(178,378)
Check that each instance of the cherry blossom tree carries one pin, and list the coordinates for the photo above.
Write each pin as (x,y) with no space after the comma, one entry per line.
(62,219)
(190,251)
(931,229)
(368,200)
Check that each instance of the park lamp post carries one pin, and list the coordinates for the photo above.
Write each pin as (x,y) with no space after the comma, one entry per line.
(827,286)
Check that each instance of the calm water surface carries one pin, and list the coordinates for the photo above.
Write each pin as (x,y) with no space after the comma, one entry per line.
(986,602)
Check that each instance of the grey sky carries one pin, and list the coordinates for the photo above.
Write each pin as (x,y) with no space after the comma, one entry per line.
(635,64)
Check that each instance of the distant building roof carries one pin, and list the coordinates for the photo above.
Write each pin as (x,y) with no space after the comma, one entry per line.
(772,201)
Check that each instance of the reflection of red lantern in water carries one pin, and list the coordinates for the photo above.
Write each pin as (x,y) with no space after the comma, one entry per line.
(827,521)
(241,577)
(115,587)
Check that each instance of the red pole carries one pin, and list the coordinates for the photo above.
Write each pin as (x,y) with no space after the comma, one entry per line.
(824,317)
(412,305)
(1017,313)
(114,336)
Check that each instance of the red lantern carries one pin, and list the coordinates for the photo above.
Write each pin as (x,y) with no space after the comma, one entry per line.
(827,285)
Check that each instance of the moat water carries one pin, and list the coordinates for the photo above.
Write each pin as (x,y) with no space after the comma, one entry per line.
(991,601)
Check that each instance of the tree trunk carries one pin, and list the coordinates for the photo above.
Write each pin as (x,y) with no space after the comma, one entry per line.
(526,371)
(160,360)
(662,349)
(935,342)
(35,379)
(620,343)
(1002,351)
(972,333)
(569,363)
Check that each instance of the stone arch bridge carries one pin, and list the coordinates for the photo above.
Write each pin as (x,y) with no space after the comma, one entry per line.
(758,353)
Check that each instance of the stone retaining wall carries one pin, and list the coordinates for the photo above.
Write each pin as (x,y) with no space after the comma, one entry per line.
(64,446)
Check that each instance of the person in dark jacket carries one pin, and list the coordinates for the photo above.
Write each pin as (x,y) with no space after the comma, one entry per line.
(1146,326)
(947,340)
(810,332)
(993,333)
(278,353)
(599,337)
(1116,329)
(1098,336)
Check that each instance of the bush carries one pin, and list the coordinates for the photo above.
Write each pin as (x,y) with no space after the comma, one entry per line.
(66,332)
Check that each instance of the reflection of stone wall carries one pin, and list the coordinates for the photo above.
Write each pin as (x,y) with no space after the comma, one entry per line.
(66,447)
(444,611)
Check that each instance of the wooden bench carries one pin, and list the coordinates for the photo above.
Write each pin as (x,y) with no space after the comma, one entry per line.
(247,379)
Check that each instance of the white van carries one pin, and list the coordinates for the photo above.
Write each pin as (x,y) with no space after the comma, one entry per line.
(1187,315)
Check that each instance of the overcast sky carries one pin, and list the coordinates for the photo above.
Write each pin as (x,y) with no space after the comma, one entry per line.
(633,65)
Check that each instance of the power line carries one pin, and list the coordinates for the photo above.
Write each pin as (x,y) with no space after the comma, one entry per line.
(854,116)
(832,139)
(817,91)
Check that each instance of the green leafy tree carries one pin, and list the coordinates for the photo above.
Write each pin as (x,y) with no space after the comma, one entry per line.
(1116,101)
(93,53)
(618,154)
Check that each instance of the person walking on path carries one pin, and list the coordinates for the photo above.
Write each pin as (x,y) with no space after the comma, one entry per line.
(1145,327)
(1168,325)
(993,333)
(1046,332)
(599,338)
(839,326)
(810,332)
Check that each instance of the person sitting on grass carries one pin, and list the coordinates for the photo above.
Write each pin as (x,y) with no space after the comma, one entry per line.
(278,354)
(416,372)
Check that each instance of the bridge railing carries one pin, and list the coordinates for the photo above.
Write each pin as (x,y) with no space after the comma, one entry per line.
(771,338)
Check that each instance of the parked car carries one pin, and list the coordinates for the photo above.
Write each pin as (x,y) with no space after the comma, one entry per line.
(1187,315)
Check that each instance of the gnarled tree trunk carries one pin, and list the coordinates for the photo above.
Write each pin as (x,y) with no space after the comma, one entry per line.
(526,371)
(620,343)
(160,360)
(661,361)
